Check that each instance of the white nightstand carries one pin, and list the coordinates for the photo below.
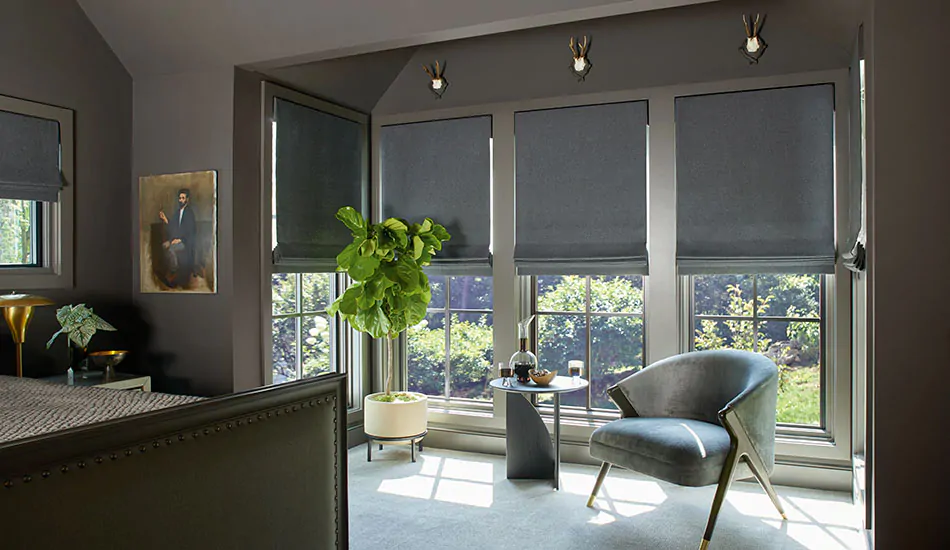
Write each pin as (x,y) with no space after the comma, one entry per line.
(119,381)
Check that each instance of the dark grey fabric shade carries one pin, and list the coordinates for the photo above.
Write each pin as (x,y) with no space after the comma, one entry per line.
(755,181)
(29,158)
(580,179)
(320,166)
(442,170)
(854,257)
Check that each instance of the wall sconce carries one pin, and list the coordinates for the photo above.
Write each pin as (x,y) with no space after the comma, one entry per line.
(581,65)
(437,83)
(754,46)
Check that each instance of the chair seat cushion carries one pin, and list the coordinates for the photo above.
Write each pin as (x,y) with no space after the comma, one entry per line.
(678,450)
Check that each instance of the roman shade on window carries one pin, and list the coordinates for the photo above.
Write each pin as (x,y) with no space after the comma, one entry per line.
(442,170)
(580,179)
(755,181)
(320,166)
(29,158)
(854,256)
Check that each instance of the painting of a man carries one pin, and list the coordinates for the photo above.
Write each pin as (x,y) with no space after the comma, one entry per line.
(179,241)
(177,226)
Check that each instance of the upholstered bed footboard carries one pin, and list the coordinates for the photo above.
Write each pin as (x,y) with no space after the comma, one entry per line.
(259,469)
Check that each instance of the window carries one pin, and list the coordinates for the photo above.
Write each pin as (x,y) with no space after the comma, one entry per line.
(450,352)
(36,196)
(597,319)
(781,317)
(20,233)
(304,343)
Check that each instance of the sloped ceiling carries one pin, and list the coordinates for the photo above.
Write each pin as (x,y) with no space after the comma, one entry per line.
(170,36)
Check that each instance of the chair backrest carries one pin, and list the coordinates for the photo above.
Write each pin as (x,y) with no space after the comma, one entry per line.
(698,384)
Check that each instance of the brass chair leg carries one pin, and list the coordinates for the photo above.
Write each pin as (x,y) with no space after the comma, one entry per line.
(759,471)
(725,480)
(604,468)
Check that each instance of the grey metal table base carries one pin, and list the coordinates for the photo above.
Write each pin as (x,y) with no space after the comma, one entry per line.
(412,439)
(530,451)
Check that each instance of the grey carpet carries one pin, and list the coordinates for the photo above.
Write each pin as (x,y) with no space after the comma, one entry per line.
(457,500)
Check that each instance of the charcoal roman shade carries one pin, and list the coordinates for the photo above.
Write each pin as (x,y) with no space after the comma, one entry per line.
(29,158)
(320,166)
(755,181)
(580,179)
(442,170)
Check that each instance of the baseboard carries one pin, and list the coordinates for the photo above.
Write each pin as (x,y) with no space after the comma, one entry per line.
(355,436)
(830,477)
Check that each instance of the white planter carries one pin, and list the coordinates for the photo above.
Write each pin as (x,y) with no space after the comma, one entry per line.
(396,419)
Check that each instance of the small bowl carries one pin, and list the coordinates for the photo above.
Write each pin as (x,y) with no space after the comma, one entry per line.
(542,379)
(107,360)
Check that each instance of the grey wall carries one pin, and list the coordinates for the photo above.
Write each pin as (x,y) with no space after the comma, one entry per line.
(50,53)
(693,44)
(183,123)
(909,266)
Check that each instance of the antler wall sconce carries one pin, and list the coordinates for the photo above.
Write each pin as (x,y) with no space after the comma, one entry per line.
(437,82)
(754,46)
(581,65)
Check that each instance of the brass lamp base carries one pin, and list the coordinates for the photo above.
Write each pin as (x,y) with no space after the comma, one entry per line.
(18,311)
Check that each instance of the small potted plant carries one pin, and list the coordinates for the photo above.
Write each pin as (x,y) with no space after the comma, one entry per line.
(390,293)
(79,324)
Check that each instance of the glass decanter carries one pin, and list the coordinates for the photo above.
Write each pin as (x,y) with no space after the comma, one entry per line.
(523,361)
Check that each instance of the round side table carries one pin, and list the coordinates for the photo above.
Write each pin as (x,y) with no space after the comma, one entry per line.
(530,453)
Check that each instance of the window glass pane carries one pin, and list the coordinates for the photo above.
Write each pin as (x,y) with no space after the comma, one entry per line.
(426,358)
(283,293)
(285,350)
(616,352)
(723,295)
(796,349)
(437,287)
(617,294)
(713,334)
(16,232)
(789,295)
(316,288)
(561,293)
(471,293)
(316,358)
(471,355)
(562,338)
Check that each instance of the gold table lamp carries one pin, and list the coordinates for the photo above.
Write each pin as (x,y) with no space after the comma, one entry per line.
(18,311)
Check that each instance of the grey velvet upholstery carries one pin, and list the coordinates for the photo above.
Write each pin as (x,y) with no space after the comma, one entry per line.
(678,450)
(701,384)
(695,419)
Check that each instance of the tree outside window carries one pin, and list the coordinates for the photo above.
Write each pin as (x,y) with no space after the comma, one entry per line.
(18,232)
(596,319)
(777,315)
(303,335)
(450,352)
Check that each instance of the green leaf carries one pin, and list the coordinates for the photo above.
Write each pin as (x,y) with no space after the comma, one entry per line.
(346,258)
(352,219)
(376,285)
(417,246)
(368,247)
(346,304)
(407,274)
(440,233)
(416,310)
(363,267)
(395,225)
(372,321)
(427,225)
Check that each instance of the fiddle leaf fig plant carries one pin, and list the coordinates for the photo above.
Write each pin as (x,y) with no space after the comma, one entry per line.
(390,292)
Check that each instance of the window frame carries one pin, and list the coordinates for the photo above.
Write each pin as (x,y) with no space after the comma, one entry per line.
(36,239)
(54,249)
(801,456)
(587,412)
(354,355)
(819,431)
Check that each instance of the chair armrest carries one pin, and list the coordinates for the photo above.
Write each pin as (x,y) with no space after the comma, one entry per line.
(751,416)
(619,399)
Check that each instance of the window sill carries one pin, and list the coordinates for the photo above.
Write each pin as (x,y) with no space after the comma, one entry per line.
(33,278)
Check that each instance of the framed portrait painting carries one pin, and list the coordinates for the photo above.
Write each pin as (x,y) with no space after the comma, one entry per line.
(178,232)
